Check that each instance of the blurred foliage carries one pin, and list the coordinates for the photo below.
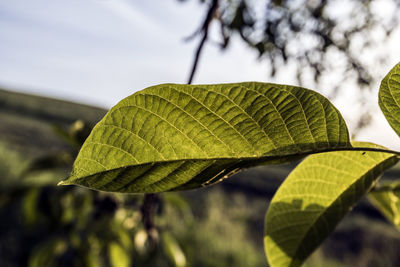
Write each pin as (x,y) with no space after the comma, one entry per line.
(42,225)
(74,135)
(45,225)
(336,43)
(229,219)
(308,32)
(387,199)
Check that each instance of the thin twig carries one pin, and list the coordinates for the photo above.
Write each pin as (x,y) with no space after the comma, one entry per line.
(204,30)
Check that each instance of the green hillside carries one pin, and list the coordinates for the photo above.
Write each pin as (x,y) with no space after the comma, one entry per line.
(27,121)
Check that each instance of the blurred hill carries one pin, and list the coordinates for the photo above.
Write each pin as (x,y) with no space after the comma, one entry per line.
(27,121)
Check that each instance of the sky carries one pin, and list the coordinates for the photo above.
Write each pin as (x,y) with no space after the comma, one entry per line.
(99,51)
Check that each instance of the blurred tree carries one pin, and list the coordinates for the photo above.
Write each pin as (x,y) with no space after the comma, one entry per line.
(313,36)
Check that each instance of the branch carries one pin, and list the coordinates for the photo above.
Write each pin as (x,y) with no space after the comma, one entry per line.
(149,209)
(204,31)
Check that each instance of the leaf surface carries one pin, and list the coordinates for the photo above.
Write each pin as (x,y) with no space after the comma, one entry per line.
(173,137)
(318,193)
(389,98)
(386,199)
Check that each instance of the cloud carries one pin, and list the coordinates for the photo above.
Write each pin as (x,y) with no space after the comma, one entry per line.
(124,10)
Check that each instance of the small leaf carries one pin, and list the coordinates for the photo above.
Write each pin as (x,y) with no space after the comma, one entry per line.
(389,98)
(30,206)
(315,197)
(386,198)
(47,252)
(173,250)
(173,137)
(118,256)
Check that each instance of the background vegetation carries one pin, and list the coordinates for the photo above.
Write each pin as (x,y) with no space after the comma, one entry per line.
(44,225)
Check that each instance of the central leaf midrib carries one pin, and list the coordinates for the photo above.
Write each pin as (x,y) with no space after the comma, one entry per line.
(270,157)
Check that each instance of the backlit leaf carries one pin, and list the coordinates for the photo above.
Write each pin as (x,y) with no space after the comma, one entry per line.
(118,256)
(319,192)
(389,98)
(387,199)
(173,137)
(173,250)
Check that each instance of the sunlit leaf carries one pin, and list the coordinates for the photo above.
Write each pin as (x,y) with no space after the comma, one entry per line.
(389,98)
(118,255)
(315,197)
(47,252)
(171,136)
(30,206)
(173,250)
(387,199)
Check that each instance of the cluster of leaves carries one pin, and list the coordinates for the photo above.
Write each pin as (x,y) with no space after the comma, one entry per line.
(305,31)
(176,137)
(46,226)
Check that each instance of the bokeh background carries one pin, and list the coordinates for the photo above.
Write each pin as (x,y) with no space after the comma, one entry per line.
(64,63)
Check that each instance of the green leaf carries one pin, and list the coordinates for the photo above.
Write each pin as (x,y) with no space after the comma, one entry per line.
(174,137)
(47,252)
(386,198)
(173,250)
(30,206)
(389,98)
(118,256)
(319,192)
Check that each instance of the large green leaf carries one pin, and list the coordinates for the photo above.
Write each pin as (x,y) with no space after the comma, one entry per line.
(173,136)
(387,199)
(389,98)
(315,197)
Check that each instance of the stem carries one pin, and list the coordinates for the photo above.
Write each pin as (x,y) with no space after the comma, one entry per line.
(149,209)
(204,31)
(366,149)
